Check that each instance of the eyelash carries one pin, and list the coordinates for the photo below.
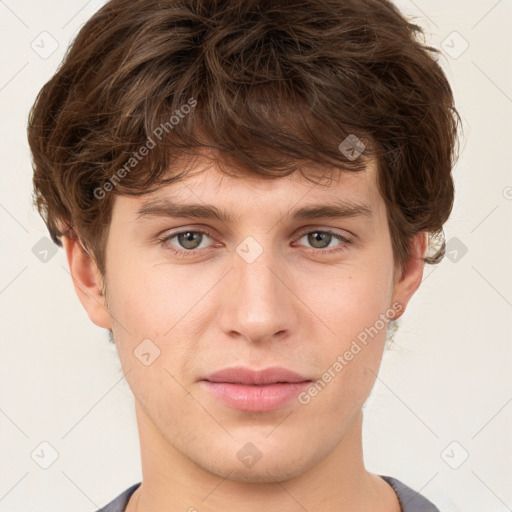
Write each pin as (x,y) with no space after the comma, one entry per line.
(182,253)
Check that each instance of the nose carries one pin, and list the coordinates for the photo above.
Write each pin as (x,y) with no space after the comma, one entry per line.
(257,301)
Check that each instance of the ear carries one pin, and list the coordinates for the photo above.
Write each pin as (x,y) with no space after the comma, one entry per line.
(409,279)
(87,281)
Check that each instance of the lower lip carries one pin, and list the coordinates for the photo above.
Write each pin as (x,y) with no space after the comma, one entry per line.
(256,398)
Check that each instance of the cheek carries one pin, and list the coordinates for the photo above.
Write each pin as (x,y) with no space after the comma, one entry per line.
(351,299)
(156,318)
(144,299)
(355,308)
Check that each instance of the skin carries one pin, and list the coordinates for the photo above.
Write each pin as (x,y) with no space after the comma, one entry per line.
(295,306)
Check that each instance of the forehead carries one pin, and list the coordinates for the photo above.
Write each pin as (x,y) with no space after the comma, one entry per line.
(234,196)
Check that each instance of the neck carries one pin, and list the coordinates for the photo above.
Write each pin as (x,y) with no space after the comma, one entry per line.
(339,481)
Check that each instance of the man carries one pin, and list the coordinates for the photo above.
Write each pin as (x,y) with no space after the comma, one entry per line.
(246,192)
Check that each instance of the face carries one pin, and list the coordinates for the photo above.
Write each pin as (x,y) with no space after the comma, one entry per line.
(311,293)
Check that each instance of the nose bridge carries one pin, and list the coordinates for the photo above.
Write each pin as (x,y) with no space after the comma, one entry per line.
(257,304)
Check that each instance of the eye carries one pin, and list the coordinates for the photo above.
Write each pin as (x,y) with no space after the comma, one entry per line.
(321,240)
(189,240)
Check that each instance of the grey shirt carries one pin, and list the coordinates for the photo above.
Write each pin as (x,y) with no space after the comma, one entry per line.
(410,500)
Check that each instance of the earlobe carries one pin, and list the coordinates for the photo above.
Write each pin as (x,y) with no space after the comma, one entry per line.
(87,281)
(409,280)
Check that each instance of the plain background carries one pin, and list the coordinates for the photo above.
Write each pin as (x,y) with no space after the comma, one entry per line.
(444,392)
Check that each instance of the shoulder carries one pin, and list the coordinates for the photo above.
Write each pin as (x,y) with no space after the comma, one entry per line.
(119,503)
(410,500)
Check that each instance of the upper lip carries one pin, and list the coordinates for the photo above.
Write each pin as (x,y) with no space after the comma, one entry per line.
(242,375)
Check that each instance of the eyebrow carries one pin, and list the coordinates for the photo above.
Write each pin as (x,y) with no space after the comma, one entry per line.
(331,210)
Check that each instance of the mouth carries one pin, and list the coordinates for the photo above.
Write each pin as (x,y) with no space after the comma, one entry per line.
(255,390)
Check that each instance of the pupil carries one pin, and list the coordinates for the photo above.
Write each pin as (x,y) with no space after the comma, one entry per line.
(314,238)
(189,238)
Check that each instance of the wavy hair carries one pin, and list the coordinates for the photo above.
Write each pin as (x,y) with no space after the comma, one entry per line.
(275,84)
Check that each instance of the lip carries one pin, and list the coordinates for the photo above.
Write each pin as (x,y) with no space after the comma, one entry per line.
(255,390)
(243,375)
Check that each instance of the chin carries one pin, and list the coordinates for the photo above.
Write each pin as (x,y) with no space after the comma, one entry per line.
(256,475)
(276,468)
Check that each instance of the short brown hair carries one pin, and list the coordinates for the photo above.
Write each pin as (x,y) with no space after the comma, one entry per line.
(274,84)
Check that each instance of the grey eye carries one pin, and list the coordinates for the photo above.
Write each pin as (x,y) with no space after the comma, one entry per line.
(318,239)
(189,239)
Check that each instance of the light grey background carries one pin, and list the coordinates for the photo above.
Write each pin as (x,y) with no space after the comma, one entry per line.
(443,392)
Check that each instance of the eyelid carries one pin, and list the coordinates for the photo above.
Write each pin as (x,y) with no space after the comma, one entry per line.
(343,245)
(345,242)
(166,236)
(326,229)
(303,231)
